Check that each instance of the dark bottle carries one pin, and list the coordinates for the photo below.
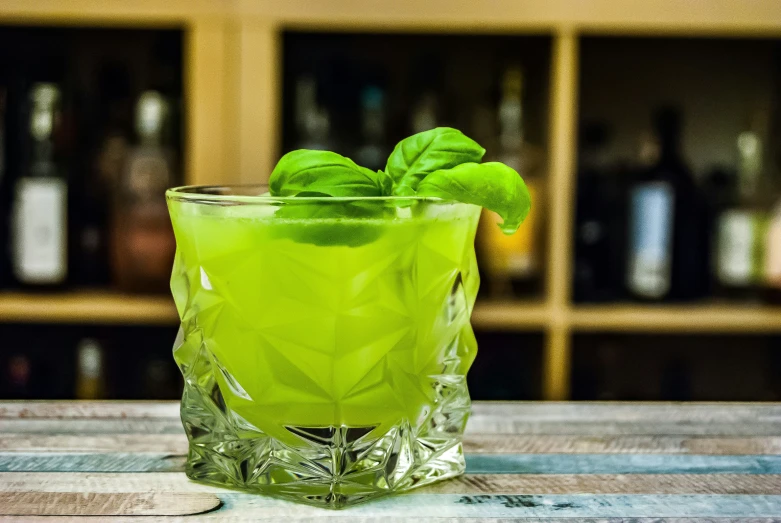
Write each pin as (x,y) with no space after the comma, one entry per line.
(17,378)
(668,239)
(112,120)
(740,226)
(599,222)
(5,185)
(142,241)
(373,151)
(39,231)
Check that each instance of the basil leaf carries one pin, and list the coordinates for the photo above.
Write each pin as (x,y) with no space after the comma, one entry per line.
(325,173)
(415,157)
(491,185)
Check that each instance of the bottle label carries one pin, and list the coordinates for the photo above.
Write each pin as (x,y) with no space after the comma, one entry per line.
(40,239)
(516,255)
(773,253)
(650,255)
(737,239)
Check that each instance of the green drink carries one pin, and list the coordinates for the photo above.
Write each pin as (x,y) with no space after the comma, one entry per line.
(325,334)
(286,340)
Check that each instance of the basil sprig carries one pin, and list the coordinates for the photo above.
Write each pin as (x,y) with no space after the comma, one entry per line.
(442,162)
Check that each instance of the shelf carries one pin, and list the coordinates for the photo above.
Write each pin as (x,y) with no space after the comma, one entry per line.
(138,13)
(510,315)
(711,17)
(533,315)
(87,307)
(677,318)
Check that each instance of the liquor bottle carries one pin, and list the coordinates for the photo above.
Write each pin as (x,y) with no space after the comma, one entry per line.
(599,221)
(424,114)
(373,151)
(5,185)
(143,246)
(40,203)
(112,125)
(313,124)
(90,378)
(17,379)
(668,239)
(513,263)
(741,226)
(772,268)
(158,380)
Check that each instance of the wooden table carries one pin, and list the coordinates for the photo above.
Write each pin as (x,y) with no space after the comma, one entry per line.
(525,460)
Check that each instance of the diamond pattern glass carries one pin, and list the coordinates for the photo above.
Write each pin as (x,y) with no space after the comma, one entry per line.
(324,356)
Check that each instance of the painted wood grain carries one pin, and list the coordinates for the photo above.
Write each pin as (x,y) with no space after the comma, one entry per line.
(500,425)
(473,443)
(421,505)
(592,412)
(100,504)
(573,444)
(477,425)
(89,409)
(620,464)
(608,484)
(87,462)
(162,443)
(91,426)
(475,463)
(173,482)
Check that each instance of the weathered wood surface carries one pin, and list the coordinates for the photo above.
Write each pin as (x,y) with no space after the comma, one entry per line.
(556,461)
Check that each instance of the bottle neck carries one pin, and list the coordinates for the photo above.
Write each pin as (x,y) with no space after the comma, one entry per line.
(670,146)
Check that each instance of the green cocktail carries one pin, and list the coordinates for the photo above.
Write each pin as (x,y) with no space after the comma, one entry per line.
(286,343)
(325,334)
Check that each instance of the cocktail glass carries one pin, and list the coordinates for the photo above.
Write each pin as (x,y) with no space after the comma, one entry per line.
(324,342)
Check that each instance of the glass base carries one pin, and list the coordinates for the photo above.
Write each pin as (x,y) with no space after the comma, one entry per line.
(332,467)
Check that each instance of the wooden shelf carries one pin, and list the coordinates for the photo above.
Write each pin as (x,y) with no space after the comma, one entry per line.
(510,315)
(706,17)
(677,318)
(87,307)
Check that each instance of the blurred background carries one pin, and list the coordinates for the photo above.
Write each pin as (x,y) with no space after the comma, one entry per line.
(649,135)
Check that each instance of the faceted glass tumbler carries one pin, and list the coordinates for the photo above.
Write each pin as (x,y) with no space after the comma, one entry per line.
(324,342)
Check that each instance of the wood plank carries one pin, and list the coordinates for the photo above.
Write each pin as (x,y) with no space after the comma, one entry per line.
(174,482)
(485,425)
(114,504)
(597,412)
(162,443)
(139,13)
(510,315)
(608,484)
(475,463)
(714,17)
(456,506)
(90,462)
(89,409)
(260,100)
(551,444)
(676,319)
(622,411)
(473,444)
(205,77)
(87,307)
(559,213)
(91,426)
(619,464)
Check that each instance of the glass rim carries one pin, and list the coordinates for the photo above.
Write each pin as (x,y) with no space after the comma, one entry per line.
(231,193)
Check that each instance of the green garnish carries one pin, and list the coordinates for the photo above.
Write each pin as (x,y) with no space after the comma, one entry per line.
(442,162)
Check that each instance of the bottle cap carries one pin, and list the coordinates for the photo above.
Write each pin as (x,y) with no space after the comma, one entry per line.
(90,358)
(150,112)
